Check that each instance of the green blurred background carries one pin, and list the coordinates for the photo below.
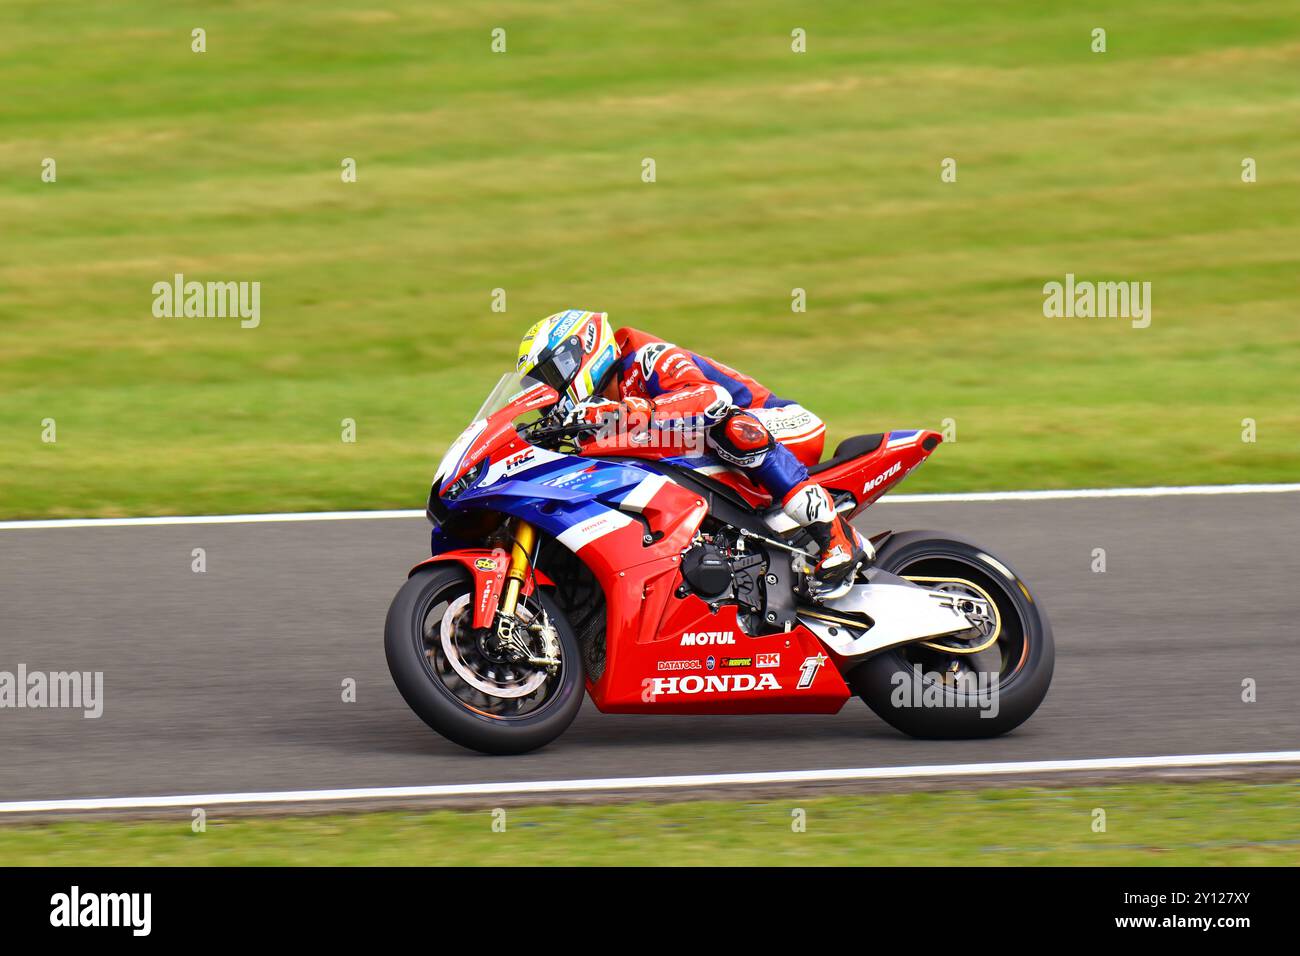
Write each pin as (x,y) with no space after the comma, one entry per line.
(522,171)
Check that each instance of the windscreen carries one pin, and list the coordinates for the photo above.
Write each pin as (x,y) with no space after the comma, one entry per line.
(510,387)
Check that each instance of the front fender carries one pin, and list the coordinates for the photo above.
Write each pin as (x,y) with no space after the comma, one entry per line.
(487,569)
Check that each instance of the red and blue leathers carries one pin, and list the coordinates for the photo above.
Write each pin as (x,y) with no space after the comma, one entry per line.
(687,390)
(744,424)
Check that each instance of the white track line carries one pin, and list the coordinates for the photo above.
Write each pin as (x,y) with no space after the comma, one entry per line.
(205,519)
(689,781)
(1055,495)
(1068,493)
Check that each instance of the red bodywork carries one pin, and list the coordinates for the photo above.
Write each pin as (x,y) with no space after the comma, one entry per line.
(671,654)
(654,637)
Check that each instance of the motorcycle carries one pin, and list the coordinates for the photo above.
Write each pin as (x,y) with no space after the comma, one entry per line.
(656,580)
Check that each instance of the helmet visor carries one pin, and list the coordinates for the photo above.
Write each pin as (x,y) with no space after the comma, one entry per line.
(561,366)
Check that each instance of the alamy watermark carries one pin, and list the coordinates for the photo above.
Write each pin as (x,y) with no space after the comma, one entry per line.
(191,299)
(629,428)
(1103,300)
(914,688)
(133,911)
(73,690)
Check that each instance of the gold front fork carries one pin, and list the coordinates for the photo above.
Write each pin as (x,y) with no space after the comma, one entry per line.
(525,536)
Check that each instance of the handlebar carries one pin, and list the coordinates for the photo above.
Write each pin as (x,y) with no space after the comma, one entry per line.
(536,435)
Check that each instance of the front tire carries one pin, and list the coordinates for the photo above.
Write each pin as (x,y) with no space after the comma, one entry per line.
(918,690)
(505,709)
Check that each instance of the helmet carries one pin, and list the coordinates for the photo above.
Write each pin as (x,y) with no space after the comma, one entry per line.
(573,352)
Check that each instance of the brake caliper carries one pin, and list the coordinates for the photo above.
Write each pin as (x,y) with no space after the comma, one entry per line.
(513,639)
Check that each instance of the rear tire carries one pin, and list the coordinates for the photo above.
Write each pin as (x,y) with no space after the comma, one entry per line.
(1024,654)
(414,665)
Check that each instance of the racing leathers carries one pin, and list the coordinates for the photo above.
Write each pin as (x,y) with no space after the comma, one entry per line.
(744,425)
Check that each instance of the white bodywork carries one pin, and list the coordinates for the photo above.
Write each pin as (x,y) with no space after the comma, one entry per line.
(451,460)
(903,612)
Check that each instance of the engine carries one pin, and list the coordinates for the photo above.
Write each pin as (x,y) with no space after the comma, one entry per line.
(718,570)
(707,570)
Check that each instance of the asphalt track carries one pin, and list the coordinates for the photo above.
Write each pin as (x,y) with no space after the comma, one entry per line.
(230,680)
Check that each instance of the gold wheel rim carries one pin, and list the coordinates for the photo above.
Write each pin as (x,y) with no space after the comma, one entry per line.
(984,595)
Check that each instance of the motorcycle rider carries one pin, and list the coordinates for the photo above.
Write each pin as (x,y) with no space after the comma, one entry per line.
(603,375)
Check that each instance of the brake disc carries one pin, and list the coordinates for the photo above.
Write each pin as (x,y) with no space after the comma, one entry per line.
(478,673)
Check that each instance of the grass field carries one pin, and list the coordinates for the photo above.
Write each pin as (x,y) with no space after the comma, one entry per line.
(522,171)
(1205,824)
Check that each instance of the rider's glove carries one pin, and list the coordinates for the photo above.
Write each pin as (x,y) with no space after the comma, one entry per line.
(592,413)
(599,412)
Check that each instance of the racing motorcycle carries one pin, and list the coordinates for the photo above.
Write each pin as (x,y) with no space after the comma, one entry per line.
(657,580)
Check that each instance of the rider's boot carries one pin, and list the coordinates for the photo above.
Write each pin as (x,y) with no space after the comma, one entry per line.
(842,549)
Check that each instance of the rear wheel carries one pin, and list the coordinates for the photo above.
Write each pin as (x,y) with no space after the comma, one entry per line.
(451,676)
(981,683)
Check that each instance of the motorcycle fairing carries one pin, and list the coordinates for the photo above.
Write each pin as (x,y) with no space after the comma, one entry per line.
(710,466)
(867,477)
(604,512)
(629,524)
(730,673)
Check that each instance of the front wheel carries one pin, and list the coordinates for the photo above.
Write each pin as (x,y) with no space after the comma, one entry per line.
(981,683)
(450,677)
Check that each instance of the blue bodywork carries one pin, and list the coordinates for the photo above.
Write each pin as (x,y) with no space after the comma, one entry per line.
(553,496)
